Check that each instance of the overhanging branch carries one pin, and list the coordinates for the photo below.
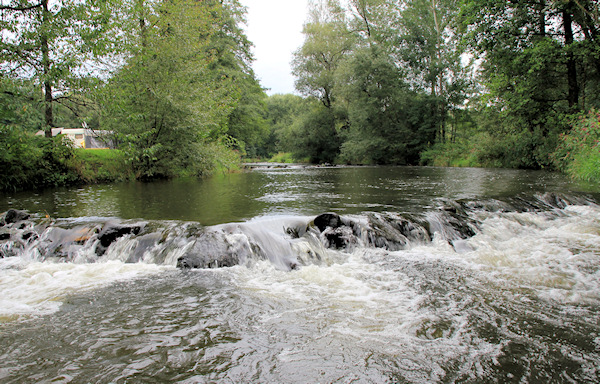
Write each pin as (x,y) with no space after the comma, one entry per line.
(20,9)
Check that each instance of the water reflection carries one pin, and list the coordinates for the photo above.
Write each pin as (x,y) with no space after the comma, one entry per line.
(304,191)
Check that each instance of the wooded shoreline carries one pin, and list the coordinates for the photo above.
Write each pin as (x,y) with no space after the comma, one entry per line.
(476,83)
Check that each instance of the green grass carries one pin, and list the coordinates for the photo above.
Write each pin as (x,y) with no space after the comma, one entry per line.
(287,158)
(586,165)
(102,165)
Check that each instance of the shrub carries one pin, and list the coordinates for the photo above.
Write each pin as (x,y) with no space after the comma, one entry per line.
(578,152)
(102,165)
(32,162)
(282,157)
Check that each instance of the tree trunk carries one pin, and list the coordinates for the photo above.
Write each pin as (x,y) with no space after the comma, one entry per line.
(573,96)
(541,6)
(47,80)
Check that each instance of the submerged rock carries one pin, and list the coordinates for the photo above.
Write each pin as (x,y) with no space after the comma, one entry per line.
(4,235)
(213,249)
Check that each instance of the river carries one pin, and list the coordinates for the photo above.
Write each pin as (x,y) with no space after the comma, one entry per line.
(417,275)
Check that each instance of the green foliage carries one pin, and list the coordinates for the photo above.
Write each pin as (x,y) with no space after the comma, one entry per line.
(171,79)
(388,122)
(52,44)
(283,157)
(328,41)
(32,162)
(314,134)
(460,153)
(540,67)
(19,104)
(102,165)
(168,102)
(229,53)
(283,115)
(247,122)
(389,73)
(578,152)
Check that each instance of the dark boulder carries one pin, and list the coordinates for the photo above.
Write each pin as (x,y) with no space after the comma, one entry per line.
(335,231)
(339,238)
(330,220)
(14,216)
(111,232)
(30,236)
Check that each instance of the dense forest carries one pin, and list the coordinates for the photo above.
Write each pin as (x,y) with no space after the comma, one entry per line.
(431,82)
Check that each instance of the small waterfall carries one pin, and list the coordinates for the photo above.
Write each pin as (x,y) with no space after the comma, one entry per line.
(287,242)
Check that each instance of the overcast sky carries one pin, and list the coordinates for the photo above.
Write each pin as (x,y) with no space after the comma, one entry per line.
(275,28)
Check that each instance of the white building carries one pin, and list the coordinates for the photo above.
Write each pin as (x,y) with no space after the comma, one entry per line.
(84,138)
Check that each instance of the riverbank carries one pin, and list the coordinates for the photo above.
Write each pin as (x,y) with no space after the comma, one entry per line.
(29,162)
(34,163)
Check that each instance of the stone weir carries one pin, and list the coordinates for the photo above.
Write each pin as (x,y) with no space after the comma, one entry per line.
(287,242)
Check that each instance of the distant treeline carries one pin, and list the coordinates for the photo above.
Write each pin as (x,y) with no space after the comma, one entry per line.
(446,82)
(437,82)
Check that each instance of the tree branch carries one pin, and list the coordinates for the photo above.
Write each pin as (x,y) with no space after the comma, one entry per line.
(20,9)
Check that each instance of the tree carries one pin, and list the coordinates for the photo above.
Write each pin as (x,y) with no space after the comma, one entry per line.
(540,66)
(389,123)
(428,48)
(231,52)
(310,137)
(327,43)
(52,44)
(19,104)
(283,113)
(247,122)
(166,103)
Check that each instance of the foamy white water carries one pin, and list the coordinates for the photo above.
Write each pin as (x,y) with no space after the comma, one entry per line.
(556,254)
(433,291)
(40,288)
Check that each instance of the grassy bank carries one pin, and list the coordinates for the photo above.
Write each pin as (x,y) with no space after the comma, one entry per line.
(101,165)
(29,162)
(577,152)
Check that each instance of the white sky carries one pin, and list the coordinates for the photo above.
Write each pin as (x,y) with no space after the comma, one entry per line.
(275,28)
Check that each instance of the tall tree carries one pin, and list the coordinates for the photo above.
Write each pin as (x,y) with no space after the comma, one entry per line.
(232,59)
(540,64)
(428,48)
(327,43)
(389,123)
(53,44)
(166,102)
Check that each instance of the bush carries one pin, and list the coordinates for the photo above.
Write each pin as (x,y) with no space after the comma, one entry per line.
(102,165)
(457,154)
(32,162)
(282,157)
(578,152)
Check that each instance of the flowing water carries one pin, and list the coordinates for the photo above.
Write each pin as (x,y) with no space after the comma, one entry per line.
(419,275)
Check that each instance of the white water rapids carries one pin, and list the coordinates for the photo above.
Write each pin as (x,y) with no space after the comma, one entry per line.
(519,301)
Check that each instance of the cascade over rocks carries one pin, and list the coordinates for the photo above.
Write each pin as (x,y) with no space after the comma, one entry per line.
(382,230)
(215,249)
(111,232)
(336,232)
(287,242)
